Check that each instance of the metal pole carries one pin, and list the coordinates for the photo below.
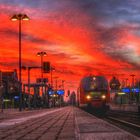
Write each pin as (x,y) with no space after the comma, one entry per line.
(20,83)
(51,77)
(42,67)
(41,55)
(29,87)
(126,82)
(63,84)
(132,86)
(56,84)
(1,92)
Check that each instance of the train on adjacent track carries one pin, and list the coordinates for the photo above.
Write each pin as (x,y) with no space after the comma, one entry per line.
(94,92)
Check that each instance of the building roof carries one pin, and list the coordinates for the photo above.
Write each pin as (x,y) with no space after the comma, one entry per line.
(9,75)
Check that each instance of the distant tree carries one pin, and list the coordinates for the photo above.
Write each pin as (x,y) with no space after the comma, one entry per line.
(68,93)
(114,83)
(73,98)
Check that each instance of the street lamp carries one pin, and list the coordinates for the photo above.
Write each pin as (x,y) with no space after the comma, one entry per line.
(20,17)
(56,77)
(126,82)
(52,69)
(41,54)
(132,75)
(63,84)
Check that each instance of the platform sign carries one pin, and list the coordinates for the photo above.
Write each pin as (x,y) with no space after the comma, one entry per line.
(51,92)
(136,90)
(16,97)
(60,92)
(126,90)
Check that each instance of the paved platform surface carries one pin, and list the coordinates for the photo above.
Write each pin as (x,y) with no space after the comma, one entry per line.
(88,127)
(67,123)
(53,124)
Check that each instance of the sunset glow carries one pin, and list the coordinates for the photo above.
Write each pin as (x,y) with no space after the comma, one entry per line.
(80,37)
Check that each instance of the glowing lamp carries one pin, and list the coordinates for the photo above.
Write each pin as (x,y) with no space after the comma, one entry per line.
(103,97)
(88,97)
(25,17)
(94,78)
(14,18)
(121,93)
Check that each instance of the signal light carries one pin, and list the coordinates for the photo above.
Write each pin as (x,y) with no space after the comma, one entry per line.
(46,67)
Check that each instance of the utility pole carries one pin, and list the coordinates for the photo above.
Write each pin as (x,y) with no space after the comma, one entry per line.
(126,82)
(132,86)
(1,92)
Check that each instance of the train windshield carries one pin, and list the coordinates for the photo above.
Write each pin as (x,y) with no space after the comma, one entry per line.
(95,83)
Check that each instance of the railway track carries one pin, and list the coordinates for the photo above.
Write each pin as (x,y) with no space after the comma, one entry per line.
(128,121)
(131,117)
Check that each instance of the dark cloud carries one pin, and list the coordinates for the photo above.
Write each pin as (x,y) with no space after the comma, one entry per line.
(108,41)
(64,71)
(27,37)
(14,63)
(109,35)
(63,56)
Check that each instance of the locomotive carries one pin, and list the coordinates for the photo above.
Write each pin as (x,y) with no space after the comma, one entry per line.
(94,92)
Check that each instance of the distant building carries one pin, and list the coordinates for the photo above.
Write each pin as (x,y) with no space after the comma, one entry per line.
(10,84)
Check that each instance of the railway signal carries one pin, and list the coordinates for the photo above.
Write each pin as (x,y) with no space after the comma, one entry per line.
(46,67)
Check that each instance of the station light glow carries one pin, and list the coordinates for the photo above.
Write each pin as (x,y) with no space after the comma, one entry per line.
(103,97)
(121,93)
(88,97)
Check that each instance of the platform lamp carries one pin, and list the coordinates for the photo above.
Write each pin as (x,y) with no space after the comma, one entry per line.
(20,17)
(41,54)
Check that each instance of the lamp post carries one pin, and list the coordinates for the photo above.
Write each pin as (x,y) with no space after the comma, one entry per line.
(20,17)
(41,54)
(56,78)
(52,69)
(63,84)
(126,82)
(56,83)
(61,96)
(132,75)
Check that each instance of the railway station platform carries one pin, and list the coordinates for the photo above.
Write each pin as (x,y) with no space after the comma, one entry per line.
(66,123)
(125,107)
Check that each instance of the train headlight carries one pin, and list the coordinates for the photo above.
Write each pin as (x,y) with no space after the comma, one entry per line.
(88,97)
(103,97)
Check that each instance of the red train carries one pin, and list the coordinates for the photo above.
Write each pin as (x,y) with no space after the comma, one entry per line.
(94,92)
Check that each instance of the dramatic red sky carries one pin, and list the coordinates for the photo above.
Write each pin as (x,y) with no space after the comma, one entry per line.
(80,37)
